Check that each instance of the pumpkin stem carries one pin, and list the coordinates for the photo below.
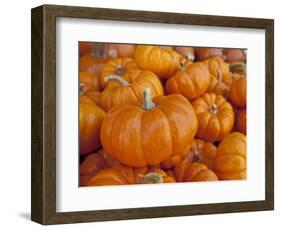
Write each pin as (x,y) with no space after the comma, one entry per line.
(183,61)
(81,89)
(117,78)
(196,157)
(190,57)
(120,69)
(151,178)
(147,102)
(214,109)
(219,75)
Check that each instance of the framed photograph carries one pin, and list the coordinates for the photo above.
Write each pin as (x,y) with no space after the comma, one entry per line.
(139,114)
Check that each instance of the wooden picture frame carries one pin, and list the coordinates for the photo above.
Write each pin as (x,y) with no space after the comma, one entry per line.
(43,208)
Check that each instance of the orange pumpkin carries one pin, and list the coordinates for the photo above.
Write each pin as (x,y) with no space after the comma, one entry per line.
(93,62)
(89,81)
(121,50)
(186,52)
(190,82)
(91,117)
(215,117)
(146,134)
(124,175)
(205,53)
(196,172)
(218,68)
(241,121)
(234,55)
(124,67)
(230,162)
(237,92)
(123,90)
(163,61)
(217,86)
(202,152)
(85,47)
(92,164)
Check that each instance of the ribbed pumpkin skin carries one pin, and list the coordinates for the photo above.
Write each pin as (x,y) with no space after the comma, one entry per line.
(190,82)
(116,93)
(215,117)
(217,87)
(234,55)
(138,137)
(241,121)
(92,164)
(199,172)
(163,61)
(203,152)
(237,92)
(230,162)
(205,53)
(121,50)
(90,81)
(90,119)
(218,68)
(117,66)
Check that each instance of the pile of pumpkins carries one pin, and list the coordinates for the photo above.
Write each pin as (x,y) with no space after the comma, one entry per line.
(161,114)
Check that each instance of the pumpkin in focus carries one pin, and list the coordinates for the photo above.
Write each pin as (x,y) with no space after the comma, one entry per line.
(163,61)
(237,92)
(230,162)
(125,90)
(215,117)
(191,81)
(123,67)
(146,134)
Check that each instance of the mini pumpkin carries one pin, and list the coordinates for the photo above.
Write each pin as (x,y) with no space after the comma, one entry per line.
(205,53)
(196,172)
(146,134)
(123,90)
(230,162)
(124,175)
(89,81)
(217,86)
(123,67)
(234,55)
(121,50)
(91,117)
(215,117)
(218,68)
(203,152)
(237,92)
(85,48)
(190,82)
(93,62)
(92,164)
(241,121)
(163,61)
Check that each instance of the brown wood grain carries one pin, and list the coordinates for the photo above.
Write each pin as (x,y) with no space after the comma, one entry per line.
(43,207)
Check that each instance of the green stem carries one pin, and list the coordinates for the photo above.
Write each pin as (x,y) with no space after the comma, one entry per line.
(151,178)
(81,89)
(147,102)
(117,78)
